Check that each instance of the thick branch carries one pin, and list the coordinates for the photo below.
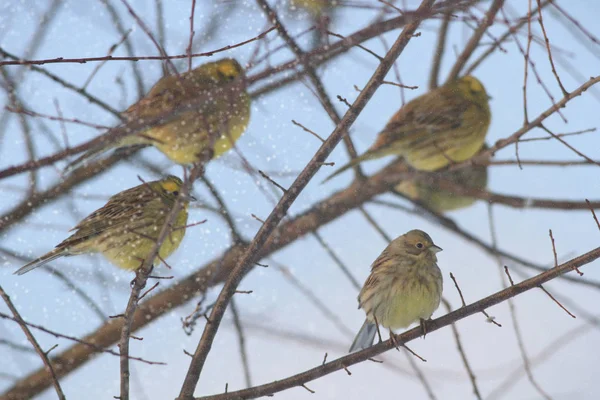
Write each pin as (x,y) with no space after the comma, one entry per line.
(216,271)
(141,277)
(448,319)
(280,210)
(213,273)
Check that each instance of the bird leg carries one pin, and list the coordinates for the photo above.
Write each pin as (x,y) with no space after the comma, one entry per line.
(377,326)
(394,340)
(205,155)
(423,324)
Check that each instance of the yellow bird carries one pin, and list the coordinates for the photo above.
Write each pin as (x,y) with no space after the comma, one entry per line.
(445,125)
(405,286)
(441,200)
(126,228)
(192,135)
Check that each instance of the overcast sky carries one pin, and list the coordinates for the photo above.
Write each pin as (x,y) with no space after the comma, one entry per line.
(276,308)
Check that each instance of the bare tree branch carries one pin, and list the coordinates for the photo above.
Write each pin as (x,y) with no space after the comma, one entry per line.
(438,323)
(43,354)
(288,198)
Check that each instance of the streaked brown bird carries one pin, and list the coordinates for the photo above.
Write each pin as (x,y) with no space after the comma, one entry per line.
(445,125)
(405,286)
(442,200)
(219,116)
(125,229)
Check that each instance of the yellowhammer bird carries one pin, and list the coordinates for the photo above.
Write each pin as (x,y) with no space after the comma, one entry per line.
(441,200)
(126,228)
(447,124)
(211,129)
(405,286)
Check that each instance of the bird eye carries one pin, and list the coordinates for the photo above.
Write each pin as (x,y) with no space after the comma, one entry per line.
(176,193)
(419,245)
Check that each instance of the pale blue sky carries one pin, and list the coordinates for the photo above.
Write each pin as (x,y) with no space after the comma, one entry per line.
(272,142)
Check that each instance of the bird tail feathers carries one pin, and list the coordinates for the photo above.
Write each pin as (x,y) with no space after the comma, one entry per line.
(85,157)
(46,258)
(367,156)
(364,338)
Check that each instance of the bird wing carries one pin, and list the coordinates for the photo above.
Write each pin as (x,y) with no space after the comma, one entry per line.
(168,93)
(445,113)
(123,208)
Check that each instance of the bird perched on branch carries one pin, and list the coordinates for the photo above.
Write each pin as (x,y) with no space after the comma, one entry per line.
(201,114)
(442,200)
(405,286)
(127,227)
(445,125)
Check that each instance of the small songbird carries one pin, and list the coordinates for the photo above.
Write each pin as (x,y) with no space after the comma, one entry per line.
(219,117)
(126,228)
(442,200)
(405,286)
(445,125)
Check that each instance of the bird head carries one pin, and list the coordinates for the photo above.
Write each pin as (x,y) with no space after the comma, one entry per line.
(169,189)
(472,89)
(417,244)
(225,70)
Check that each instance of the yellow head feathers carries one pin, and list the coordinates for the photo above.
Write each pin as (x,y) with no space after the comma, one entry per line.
(171,184)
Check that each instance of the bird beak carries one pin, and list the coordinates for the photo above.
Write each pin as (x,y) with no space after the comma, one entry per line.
(435,249)
(490,97)
(189,197)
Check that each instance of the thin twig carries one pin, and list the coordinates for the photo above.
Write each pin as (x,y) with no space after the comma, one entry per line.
(438,53)
(553,248)
(267,177)
(312,75)
(189,48)
(314,299)
(242,343)
(541,21)
(438,323)
(256,246)
(510,279)
(513,313)
(345,270)
(374,224)
(419,372)
(557,137)
(593,213)
(309,131)
(462,299)
(487,21)
(223,210)
(141,278)
(216,271)
(148,32)
(61,60)
(119,26)
(453,226)
(462,352)
(43,355)
(557,302)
